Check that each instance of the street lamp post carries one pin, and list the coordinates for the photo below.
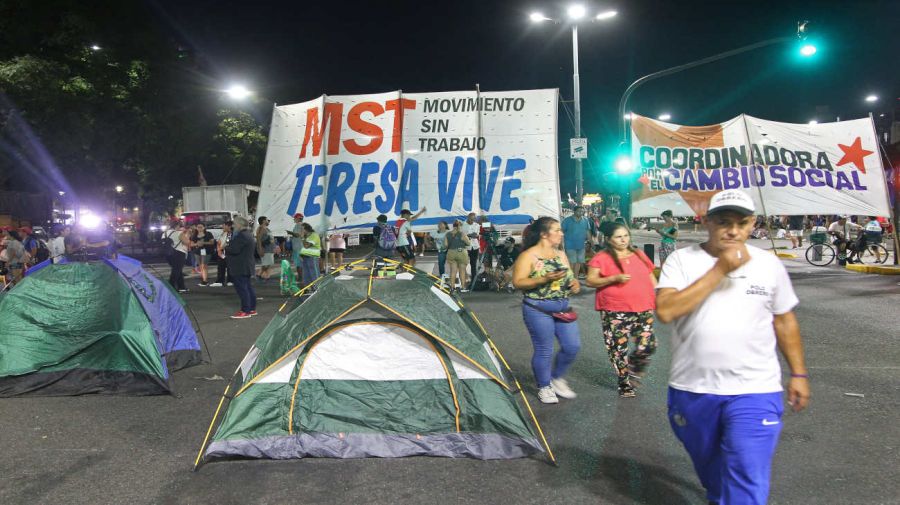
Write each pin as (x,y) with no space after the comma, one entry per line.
(575,13)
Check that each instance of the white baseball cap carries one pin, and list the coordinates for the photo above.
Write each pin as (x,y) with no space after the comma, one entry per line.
(731,200)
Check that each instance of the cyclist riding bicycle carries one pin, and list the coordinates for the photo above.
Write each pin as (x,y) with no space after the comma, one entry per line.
(841,230)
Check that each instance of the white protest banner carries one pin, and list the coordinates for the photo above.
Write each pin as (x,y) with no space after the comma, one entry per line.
(827,168)
(343,160)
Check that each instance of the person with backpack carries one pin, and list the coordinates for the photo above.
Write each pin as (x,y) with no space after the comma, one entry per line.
(385,238)
(625,297)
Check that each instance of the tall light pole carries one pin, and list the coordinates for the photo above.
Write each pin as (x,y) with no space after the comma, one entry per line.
(576,13)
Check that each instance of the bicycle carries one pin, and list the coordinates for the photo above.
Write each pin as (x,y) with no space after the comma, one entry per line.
(870,251)
(820,253)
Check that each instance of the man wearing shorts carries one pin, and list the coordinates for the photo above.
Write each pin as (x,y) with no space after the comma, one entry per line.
(404,232)
(731,305)
(576,229)
(795,231)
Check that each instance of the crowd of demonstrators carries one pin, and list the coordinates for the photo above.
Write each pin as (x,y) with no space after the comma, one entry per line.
(578,230)
(458,245)
(625,296)
(405,246)
(242,266)
(203,247)
(439,237)
(310,253)
(223,277)
(265,248)
(669,236)
(546,279)
(731,305)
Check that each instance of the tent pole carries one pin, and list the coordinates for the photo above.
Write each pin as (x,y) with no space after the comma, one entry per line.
(211,424)
(762,202)
(518,386)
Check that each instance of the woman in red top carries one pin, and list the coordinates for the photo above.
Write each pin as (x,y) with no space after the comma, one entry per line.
(625,286)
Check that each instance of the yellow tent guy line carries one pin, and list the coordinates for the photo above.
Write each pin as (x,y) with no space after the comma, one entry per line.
(371,274)
(301,344)
(519,386)
(444,342)
(297,384)
(211,424)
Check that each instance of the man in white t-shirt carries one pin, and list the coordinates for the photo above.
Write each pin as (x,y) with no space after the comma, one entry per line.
(841,230)
(57,246)
(730,305)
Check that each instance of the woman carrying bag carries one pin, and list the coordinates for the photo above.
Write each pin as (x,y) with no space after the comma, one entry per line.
(625,296)
(543,274)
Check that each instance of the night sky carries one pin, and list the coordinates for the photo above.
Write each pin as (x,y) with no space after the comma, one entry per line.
(294,51)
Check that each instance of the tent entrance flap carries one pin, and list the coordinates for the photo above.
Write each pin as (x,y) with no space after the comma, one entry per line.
(374,377)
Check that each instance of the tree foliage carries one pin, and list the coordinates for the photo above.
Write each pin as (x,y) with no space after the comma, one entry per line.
(138,110)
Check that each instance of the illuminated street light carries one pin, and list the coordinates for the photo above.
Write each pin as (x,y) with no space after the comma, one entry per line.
(62,193)
(872,98)
(238,92)
(627,117)
(813,122)
(119,189)
(537,17)
(95,47)
(665,117)
(576,11)
(606,15)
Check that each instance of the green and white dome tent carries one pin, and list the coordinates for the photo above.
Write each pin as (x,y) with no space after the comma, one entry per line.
(374,363)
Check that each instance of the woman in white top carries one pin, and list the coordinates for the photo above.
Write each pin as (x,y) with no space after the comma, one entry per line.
(337,244)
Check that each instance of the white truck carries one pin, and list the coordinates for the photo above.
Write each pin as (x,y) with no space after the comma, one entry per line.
(214,205)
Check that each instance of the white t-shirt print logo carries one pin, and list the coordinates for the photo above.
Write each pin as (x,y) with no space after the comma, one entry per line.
(756,289)
(766,422)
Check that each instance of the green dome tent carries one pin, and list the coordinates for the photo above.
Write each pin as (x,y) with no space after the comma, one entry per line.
(105,327)
(373,365)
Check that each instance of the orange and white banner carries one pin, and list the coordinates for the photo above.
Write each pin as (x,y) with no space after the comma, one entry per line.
(829,168)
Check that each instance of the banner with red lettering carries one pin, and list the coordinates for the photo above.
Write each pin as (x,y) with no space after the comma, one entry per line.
(343,160)
(788,169)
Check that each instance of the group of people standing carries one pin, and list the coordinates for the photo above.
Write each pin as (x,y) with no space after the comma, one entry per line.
(730,305)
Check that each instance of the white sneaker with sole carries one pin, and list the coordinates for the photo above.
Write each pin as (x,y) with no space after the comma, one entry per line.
(216,285)
(562,389)
(546,395)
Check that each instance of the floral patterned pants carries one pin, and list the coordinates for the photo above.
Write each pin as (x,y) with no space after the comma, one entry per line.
(618,329)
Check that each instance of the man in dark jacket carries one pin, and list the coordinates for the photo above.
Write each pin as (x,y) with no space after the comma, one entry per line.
(241,266)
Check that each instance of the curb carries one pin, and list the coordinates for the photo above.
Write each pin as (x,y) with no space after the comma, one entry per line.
(875,269)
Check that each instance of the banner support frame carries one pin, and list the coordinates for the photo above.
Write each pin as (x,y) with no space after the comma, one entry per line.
(762,202)
(887,195)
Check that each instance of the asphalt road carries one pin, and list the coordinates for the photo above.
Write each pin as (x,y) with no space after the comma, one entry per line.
(137,450)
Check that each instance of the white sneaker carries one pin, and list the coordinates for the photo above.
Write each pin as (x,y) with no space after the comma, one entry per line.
(546,395)
(216,285)
(562,389)
(231,284)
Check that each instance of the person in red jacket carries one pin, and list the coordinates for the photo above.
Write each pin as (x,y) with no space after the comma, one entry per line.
(625,296)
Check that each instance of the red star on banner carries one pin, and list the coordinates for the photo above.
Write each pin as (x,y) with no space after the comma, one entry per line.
(854,153)
(644,180)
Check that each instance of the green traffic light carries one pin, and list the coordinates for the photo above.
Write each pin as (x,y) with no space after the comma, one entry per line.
(808,50)
(624,164)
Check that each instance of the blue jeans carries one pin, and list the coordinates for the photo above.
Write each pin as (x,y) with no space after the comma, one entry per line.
(245,292)
(731,440)
(543,328)
(310,268)
(442,262)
